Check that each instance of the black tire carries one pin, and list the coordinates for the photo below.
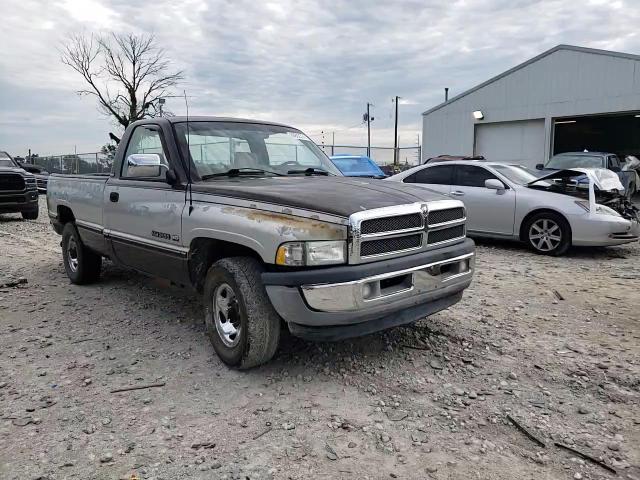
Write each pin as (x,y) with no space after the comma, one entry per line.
(31,215)
(250,314)
(81,264)
(543,240)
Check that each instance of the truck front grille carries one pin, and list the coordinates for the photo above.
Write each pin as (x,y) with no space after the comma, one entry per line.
(11,182)
(12,199)
(387,245)
(403,229)
(446,215)
(390,224)
(445,234)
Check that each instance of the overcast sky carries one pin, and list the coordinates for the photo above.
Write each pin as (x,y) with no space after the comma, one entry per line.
(312,64)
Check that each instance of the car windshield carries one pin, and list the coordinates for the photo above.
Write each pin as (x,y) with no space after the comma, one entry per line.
(575,161)
(515,173)
(357,166)
(254,149)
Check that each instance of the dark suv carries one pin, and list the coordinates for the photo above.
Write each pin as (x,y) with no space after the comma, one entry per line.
(18,189)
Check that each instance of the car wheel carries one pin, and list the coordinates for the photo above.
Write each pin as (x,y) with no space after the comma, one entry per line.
(81,264)
(32,215)
(548,233)
(241,323)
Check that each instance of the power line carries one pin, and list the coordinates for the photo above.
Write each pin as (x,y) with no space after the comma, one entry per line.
(315,134)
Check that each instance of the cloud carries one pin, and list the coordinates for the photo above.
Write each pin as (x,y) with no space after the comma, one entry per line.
(313,64)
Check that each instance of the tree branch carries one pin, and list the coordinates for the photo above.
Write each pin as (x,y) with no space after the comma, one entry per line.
(127,74)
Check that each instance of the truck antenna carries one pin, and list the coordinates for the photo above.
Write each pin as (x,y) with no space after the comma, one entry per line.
(186,102)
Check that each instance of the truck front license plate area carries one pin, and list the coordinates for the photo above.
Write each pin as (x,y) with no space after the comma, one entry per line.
(375,290)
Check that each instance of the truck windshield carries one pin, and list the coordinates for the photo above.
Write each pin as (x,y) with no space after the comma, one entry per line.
(6,160)
(561,162)
(218,147)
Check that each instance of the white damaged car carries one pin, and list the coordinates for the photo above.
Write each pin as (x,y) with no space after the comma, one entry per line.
(578,206)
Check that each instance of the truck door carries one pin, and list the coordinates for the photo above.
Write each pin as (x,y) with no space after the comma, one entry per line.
(143,213)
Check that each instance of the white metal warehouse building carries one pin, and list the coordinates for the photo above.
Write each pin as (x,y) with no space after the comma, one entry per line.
(566,99)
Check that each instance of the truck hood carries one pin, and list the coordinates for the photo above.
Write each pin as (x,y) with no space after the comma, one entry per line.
(340,196)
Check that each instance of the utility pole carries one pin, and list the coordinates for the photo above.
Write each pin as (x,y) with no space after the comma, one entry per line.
(368,118)
(161,104)
(395,136)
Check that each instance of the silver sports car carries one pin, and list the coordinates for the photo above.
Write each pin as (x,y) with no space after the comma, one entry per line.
(550,213)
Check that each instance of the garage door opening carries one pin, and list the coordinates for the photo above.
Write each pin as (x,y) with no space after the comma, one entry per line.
(618,134)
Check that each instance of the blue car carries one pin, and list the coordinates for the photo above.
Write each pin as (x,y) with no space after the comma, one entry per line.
(357,166)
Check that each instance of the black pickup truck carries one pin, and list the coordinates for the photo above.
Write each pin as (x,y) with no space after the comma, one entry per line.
(18,189)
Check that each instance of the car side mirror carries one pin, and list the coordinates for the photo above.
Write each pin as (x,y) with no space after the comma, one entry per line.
(143,165)
(494,184)
(540,166)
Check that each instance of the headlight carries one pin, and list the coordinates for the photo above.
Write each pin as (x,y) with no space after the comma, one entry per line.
(298,254)
(602,209)
(606,210)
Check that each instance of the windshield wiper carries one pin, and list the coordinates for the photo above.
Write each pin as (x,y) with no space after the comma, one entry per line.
(236,172)
(310,171)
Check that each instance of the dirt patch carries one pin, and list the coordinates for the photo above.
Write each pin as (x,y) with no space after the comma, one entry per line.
(426,401)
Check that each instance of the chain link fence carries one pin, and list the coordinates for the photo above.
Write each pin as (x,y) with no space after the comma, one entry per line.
(381,155)
(75,163)
(96,162)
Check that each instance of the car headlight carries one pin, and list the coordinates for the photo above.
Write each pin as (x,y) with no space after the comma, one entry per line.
(602,209)
(606,210)
(299,254)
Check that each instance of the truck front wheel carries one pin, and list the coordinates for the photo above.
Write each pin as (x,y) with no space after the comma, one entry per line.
(81,264)
(241,322)
(30,215)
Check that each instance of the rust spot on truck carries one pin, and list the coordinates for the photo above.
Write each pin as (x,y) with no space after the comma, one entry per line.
(290,224)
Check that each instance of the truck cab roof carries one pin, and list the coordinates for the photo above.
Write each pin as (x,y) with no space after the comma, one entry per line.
(207,118)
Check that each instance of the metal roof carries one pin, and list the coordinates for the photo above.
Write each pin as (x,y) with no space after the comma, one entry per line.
(574,48)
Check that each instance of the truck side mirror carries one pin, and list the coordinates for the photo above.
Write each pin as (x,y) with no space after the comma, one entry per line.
(171,177)
(143,165)
(540,166)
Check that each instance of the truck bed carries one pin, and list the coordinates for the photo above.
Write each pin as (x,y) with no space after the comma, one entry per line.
(84,192)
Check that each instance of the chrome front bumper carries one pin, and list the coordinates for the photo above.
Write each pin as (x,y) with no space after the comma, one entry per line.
(379,289)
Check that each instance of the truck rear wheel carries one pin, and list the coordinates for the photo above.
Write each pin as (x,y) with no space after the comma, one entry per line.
(81,264)
(241,323)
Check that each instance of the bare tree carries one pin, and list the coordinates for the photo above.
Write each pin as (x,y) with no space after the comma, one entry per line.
(127,74)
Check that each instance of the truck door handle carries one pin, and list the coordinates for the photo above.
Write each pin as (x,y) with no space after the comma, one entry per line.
(457,193)
(114,196)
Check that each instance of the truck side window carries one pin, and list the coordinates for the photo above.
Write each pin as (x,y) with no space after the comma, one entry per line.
(144,140)
(614,162)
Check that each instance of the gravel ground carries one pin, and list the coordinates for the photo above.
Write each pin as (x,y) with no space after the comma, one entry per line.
(426,401)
